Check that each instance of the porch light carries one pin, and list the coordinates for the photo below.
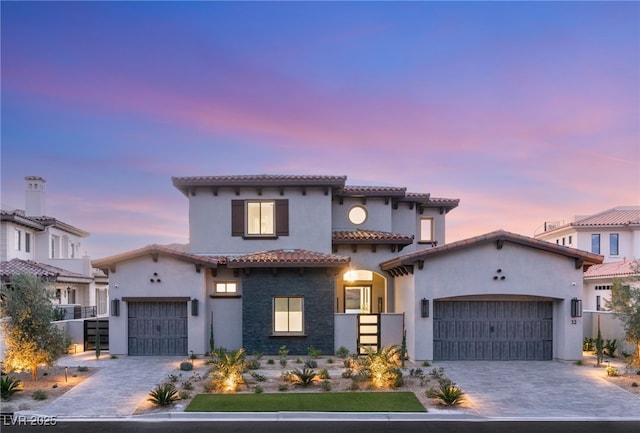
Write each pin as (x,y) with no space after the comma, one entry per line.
(576,307)
(424,307)
(115,307)
(194,307)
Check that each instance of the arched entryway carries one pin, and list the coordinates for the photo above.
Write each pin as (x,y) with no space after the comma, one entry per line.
(361,291)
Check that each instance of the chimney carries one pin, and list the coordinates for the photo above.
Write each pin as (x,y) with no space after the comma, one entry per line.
(34,196)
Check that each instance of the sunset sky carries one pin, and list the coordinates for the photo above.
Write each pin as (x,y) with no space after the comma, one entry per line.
(526,112)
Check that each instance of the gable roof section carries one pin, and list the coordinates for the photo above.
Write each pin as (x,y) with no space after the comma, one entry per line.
(404,264)
(47,272)
(109,263)
(287,258)
(184,184)
(615,269)
(18,217)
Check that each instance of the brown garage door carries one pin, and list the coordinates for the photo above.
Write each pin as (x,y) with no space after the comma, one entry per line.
(493,330)
(157,328)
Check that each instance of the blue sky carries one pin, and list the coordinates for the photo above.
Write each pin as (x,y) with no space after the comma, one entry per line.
(525,111)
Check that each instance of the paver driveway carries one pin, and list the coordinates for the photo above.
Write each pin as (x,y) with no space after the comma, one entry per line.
(540,389)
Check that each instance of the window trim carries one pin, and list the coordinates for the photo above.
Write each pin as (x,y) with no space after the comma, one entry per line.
(593,237)
(18,240)
(276,333)
(615,236)
(27,242)
(225,294)
(431,239)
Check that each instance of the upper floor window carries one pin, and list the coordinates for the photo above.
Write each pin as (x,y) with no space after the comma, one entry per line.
(18,240)
(260,218)
(287,315)
(27,242)
(426,230)
(595,243)
(226,287)
(570,239)
(614,244)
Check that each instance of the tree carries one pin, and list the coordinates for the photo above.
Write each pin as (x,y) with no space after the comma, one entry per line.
(625,304)
(31,339)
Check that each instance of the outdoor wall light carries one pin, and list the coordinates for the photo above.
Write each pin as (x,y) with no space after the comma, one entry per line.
(424,307)
(576,307)
(194,307)
(115,307)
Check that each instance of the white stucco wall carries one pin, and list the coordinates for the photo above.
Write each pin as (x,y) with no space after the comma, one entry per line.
(178,279)
(226,312)
(469,272)
(210,221)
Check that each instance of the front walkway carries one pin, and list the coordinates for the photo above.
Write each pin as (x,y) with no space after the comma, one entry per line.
(116,389)
(541,389)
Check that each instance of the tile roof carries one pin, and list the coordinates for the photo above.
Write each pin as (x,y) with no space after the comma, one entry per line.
(370,237)
(285,258)
(18,266)
(351,190)
(40,222)
(498,235)
(623,215)
(257,180)
(615,269)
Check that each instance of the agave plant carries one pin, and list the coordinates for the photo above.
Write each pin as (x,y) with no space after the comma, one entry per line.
(448,393)
(304,377)
(9,386)
(164,394)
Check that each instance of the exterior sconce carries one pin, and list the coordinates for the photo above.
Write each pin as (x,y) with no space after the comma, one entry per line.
(576,307)
(194,307)
(424,307)
(115,307)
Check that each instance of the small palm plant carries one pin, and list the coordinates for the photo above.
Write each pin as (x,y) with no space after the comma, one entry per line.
(9,386)
(304,377)
(164,394)
(229,368)
(382,366)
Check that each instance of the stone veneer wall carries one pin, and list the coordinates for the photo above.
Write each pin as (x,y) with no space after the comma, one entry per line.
(259,287)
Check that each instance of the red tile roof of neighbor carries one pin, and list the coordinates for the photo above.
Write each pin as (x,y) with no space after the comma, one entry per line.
(622,215)
(19,266)
(296,257)
(615,269)
(370,236)
(498,235)
(40,222)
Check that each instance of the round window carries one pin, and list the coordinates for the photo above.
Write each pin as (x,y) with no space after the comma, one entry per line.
(357,214)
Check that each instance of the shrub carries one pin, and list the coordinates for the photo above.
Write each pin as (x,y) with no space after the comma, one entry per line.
(253,364)
(342,352)
(184,395)
(258,389)
(634,384)
(114,356)
(448,394)
(587,344)
(437,373)
(347,374)
(298,361)
(258,377)
(39,395)
(311,363)
(330,361)
(426,364)
(323,374)
(304,377)
(612,371)
(173,378)
(579,362)
(610,347)
(187,385)
(270,361)
(283,387)
(313,352)
(258,355)
(208,386)
(9,386)
(325,386)
(186,366)
(83,368)
(163,395)
(283,352)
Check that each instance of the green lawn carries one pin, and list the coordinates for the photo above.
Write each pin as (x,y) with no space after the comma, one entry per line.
(311,402)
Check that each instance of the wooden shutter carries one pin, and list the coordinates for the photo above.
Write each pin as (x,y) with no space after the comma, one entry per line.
(237,217)
(282,217)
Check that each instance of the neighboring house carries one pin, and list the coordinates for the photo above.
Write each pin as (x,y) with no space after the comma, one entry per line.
(614,233)
(42,245)
(305,261)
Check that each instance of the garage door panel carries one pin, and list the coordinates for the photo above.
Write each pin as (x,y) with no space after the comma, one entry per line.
(157,328)
(500,330)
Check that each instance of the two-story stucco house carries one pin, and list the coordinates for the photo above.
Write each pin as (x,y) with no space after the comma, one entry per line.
(32,242)
(303,261)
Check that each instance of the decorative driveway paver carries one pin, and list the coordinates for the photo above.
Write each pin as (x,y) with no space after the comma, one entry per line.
(540,389)
(116,389)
